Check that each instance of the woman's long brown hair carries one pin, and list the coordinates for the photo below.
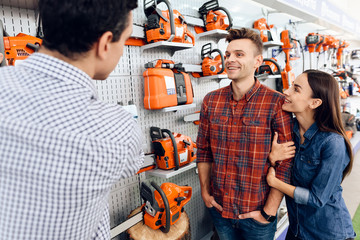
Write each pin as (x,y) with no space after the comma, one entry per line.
(328,115)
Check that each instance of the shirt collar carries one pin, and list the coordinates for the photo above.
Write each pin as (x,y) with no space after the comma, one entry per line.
(250,93)
(59,69)
(309,134)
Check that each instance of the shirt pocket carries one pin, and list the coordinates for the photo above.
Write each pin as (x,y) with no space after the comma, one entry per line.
(218,127)
(258,134)
(306,168)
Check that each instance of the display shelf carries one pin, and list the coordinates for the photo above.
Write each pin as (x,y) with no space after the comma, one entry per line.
(272,44)
(215,77)
(170,46)
(169,173)
(192,117)
(176,108)
(217,33)
(27,4)
(263,77)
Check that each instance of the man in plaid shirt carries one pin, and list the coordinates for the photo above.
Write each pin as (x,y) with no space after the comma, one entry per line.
(237,124)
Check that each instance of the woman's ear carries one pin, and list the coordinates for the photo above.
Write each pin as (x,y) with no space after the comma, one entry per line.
(315,102)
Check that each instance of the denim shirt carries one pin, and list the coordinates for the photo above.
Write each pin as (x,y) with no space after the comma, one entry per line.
(318,210)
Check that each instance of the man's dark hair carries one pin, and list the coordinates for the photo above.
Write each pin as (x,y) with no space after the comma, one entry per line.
(73,26)
(246,33)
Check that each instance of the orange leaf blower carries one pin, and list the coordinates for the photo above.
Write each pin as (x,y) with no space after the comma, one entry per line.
(17,48)
(167,25)
(213,17)
(173,151)
(212,65)
(342,46)
(264,29)
(165,85)
(163,207)
(287,76)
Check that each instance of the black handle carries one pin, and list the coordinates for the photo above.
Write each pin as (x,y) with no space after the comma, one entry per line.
(165,229)
(274,62)
(228,15)
(222,60)
(176,154)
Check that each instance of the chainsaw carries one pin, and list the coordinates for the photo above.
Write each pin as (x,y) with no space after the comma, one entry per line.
(162,208)
(264,28)
(173,151)
(168,25)
(212,65)
(17,48)
(270,67)
(166,85)
(213,17)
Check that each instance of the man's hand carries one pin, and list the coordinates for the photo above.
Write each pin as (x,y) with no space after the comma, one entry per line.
(1,57)
(256,215)
(281,151)
(210,202)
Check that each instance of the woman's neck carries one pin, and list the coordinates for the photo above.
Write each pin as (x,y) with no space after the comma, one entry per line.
(305,122)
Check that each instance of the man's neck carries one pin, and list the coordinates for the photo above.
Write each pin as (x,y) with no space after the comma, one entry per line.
(240,87)
(81,62)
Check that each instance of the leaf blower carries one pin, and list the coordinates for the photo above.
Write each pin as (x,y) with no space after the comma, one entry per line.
(17,48)
(342,45)
(213,17)
(212,65)
(173,151)
(163,207)
(168,25)
(287,76)
(313,41)
(264,28)
(165,85)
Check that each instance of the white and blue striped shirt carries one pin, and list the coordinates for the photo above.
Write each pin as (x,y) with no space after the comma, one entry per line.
(61,150)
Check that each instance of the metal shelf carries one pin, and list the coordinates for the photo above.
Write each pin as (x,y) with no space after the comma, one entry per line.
(171,46)
(213,33)
(217,77)
(176,108)
(169,173)
(27,4)
(272,44)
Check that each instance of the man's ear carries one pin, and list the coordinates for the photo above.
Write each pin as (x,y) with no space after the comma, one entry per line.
(315,102)
(258,60)
(103,45)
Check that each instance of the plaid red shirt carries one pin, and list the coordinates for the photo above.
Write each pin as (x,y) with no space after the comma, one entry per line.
(236,137)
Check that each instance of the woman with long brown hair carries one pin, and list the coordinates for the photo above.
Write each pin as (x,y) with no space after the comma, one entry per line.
(322,158)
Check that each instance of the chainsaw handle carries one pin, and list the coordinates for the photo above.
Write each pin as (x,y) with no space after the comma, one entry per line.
(228,15)
(274,62)
(188,195)
(176,154)
(191,36)
(222,60)
(167,207)
(2,45)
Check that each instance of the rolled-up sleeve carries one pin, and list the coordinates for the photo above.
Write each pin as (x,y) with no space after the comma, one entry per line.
(283,124)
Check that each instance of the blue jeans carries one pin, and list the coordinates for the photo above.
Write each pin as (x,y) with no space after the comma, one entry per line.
(247,229)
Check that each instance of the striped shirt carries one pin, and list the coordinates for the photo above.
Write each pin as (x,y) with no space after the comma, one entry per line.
(61,150)
(235,136)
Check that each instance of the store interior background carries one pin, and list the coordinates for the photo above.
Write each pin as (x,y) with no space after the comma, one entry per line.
(125,84)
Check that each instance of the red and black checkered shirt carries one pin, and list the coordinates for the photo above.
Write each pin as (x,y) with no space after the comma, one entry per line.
(236,137)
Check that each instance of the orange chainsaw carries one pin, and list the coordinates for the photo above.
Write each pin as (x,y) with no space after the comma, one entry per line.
(212,65)
(173,151)
(162,207)
(213,17)
(17,48)
(167,25)
(166,85)
(264,29)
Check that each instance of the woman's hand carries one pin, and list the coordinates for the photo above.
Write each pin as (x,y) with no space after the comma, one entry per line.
(271,176)
(281,151)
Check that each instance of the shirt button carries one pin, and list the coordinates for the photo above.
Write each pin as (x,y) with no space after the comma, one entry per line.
(228,176)
(234,123)
(226,194)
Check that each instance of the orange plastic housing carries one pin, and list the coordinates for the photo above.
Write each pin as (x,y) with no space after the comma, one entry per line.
(216,20)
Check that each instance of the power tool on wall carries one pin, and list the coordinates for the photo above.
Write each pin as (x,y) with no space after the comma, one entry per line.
(166,85)
(213,17)
(212,65)
(314,42)
(168,25)
(270,67)
(173,151)
(287,76)
(342,45)
(264,28)
(163,207)
(17,48)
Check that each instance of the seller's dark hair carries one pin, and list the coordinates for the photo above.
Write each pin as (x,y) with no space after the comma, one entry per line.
(246,33)
(328,115)
(73,26)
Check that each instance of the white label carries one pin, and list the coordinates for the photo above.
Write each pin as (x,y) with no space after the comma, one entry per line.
(183,156)
(170,85)
(179,32)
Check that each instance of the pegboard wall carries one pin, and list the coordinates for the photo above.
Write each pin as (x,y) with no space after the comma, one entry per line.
(125,86)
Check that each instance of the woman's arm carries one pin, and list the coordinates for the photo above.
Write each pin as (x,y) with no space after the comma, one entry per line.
(278,184)
(282,151)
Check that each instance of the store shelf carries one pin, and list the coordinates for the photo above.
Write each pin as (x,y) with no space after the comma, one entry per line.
(215,77)
(27,4)
(177,108)
(217,33)
(263,77)
(272,44)
(172,47)
(169,173)
(192,117)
